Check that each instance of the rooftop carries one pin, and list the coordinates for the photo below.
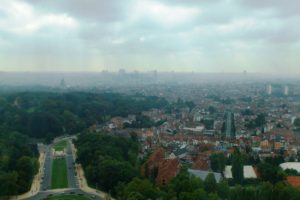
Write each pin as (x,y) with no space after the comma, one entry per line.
(291,165)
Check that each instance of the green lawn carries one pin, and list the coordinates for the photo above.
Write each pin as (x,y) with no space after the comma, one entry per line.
(60,146)
(59,173)
(67,197)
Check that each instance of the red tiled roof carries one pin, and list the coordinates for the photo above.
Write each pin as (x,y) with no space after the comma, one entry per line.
(167,169)
(154,160)
(293,180)
(157,155)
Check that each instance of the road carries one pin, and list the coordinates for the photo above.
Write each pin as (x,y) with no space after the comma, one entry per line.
(228,125)
(73,186)
(72,180)
(47,170)
(44,194)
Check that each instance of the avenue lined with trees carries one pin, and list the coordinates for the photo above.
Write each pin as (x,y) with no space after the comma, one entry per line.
(28,117)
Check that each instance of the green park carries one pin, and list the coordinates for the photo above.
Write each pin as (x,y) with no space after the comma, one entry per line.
(59,173)
(60,146)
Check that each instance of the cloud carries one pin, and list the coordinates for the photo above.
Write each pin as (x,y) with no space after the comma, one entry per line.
(201,35)
(165,14)
(282,8)
(21,18)
(96,10)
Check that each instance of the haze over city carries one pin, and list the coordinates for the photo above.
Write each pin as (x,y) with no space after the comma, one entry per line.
(149,100)
(167,35)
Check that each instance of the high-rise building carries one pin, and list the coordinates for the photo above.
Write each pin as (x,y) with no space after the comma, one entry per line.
(269,89)
(63,84)
(286,90)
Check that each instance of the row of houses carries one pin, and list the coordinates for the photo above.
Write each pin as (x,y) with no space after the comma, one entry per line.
(163,168)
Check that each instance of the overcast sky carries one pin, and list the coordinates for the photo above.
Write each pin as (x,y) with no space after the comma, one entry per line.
(165,35)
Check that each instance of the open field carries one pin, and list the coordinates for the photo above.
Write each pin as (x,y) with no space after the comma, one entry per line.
(59,174)
(60,146)
(67,197)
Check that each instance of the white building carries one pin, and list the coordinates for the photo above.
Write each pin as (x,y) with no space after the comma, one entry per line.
(286,90)
(196,129)
(291,165)
(269,89)
(248,172)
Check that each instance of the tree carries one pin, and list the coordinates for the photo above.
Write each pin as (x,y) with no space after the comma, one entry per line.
(139,189)
(42,123)
(297,122)
(213,196)
(260,120)
(223,189)
(221,162)
(270,173)
(214,164)
(237,168)
(236,193)
(265,191)
(71,122)
(108,160)
(210,183)
(282,191)
(8,184)
(218,162)
(199,194)
(249,193)
(17,163)
(25,168)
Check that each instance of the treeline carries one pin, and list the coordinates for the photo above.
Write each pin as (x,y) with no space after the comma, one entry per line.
(108,161)
(18,164)
(47,115)
(187,187)
(180,104)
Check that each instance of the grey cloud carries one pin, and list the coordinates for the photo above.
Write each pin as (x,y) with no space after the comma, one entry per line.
(110,33)
(97,10)
(282,7)
(190,2)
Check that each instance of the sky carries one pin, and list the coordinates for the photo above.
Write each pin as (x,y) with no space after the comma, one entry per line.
(166,35)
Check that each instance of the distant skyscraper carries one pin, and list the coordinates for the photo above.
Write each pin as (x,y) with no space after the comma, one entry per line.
(63,84)
(122,71)
(286,90)
(269,89)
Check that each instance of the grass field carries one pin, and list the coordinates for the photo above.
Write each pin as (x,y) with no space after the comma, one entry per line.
(67,197)
(60,146)
(59,173)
